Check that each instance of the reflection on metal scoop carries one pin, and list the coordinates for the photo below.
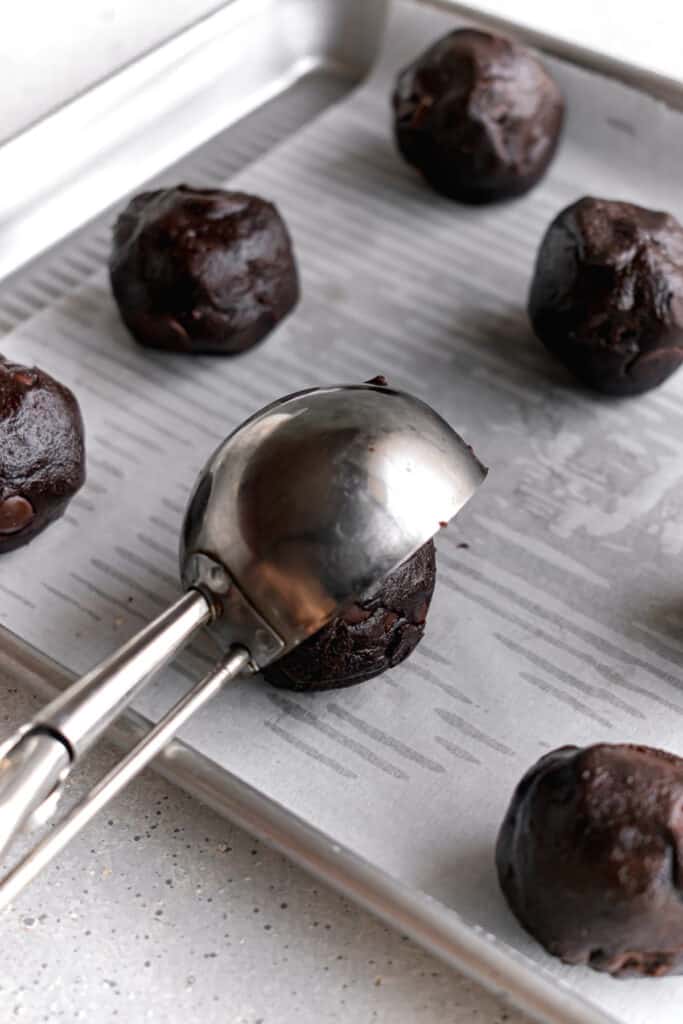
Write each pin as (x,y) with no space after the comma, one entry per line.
(304,508)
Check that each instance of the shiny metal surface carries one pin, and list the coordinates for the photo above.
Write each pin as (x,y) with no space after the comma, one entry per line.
(404,907)
(183,93)
(644,80)
(307,505)
(30,772)
(40,216)
(234,664)
(316,498)
(36,760)
(239,622)
(84,711)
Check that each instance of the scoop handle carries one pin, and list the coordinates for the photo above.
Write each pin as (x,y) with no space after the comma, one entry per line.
(235,663)
(82,712)
(31,772)
(37,759)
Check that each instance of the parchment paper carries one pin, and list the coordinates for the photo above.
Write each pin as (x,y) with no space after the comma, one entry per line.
(559,606)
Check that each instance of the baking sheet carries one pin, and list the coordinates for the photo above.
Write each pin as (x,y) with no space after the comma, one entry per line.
(546,629)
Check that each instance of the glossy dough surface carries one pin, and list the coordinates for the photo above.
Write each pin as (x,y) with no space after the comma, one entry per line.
(589,857)
(478,116)
(42,456)
(202,270)
(607,294)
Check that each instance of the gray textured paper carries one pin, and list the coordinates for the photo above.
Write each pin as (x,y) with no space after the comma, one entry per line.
(558,622)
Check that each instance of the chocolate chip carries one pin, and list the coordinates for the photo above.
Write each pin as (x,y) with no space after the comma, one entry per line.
(15,513)
(355,614)
(25,377)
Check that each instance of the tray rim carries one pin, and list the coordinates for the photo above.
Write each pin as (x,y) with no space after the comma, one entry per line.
(659,86)
(98,153)
(430,923)
(411,911)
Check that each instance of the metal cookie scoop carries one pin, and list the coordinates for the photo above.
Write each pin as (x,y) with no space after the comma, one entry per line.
(305,507)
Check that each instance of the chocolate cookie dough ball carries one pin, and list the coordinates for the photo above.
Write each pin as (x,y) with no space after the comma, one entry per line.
(42,458)
(478,115)
(590,855)
(607,294)
(202,270)
(369,637)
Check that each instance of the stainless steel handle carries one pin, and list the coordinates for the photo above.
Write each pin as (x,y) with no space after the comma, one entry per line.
(37,759)
(29,781)
(82,713)
(236,662)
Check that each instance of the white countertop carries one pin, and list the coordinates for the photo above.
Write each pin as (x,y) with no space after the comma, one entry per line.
(162,911)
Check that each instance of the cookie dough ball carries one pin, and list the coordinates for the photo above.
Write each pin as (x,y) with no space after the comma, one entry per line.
(369,637)
(42,457)
(607,294)
(590,855)
(202,270)
(478,115)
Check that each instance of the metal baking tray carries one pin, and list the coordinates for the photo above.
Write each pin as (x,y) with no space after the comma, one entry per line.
(540,607)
